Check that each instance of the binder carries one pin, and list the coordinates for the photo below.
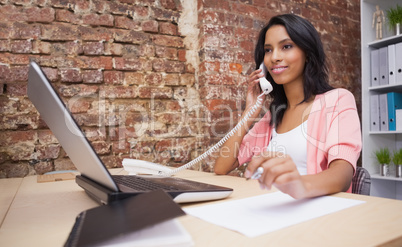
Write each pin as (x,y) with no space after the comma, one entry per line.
(398,116)
(394,103)
(398,62)
(374,113)
(383,101)
(96,226)
(375,68)
(391,64)
(383,60)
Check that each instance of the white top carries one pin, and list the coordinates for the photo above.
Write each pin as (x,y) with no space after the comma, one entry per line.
(292,143)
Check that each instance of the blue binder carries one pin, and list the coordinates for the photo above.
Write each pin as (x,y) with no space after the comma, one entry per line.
(394,103)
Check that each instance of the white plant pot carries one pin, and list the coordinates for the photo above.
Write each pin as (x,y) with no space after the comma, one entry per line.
(398,28)
(384,170)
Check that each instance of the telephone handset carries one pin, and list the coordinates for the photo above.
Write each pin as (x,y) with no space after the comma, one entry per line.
(265,85)
(151,168)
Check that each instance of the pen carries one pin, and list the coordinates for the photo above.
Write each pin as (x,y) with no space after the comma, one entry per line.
(257,174)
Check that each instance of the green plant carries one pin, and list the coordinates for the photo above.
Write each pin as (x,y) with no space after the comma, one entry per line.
(394,16)
(397,159)
(383,156)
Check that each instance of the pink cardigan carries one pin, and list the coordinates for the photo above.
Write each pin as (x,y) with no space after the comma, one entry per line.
(333,132)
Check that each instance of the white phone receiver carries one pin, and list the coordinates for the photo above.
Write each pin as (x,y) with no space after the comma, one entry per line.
(265,85)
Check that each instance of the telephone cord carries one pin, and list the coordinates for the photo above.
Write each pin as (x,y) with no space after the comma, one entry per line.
(221,142)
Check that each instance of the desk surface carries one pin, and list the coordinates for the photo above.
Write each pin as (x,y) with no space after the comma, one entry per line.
(42,214)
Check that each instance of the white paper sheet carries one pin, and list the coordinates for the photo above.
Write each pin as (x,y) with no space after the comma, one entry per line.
(169,233)
(259,215)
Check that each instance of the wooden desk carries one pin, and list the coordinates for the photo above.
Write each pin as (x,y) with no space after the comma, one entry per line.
(42,214)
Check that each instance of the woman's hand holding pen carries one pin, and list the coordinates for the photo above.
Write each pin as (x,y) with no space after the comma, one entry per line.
(279,171)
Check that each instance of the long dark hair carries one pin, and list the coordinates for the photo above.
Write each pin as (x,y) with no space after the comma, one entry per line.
(315,75)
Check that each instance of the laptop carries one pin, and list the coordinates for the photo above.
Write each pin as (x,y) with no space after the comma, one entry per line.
(94,178)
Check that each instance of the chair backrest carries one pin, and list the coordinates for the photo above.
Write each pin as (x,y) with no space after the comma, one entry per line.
(361,181)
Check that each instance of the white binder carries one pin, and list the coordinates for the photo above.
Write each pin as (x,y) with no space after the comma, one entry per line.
(374,113)
(398,119)
(383,54)
(398,63)
(391,64)
(375,68)
(383,101)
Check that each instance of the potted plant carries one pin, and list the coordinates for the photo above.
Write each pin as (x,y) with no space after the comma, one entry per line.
(394,16)
(397,159)
(384,158)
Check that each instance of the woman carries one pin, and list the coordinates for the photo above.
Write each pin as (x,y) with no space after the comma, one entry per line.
(310,140)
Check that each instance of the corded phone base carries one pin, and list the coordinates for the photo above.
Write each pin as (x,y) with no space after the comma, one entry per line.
(138,167)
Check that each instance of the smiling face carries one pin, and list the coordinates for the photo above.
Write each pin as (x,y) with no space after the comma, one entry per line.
(283,58)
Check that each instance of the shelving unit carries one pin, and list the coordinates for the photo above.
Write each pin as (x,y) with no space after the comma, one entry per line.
(389,187)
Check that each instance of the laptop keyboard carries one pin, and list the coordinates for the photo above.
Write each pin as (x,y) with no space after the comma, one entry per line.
(140,184)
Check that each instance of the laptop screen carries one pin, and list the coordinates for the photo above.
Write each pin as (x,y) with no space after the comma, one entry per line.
(60,121)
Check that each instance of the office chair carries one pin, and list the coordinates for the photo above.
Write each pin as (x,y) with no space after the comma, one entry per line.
(361,182)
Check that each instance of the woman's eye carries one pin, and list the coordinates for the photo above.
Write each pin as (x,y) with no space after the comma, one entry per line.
(285,47)
(267,50)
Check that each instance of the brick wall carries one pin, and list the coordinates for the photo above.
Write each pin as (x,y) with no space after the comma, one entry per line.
(158,80)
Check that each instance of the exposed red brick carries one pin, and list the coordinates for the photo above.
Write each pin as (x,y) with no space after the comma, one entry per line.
(133,78)
(78,90)
(35,14)
(127,23)
(41,47)
(47,152)
(169,4)
(170,41)
(46,137)
(13,13)
(150,26)
(114,49)
(5,45)
(13,170)
(141,12)
(155,92)
(70,75)
(166,52)
(79,105)
(21,46)
(182,55)
(128,64)
(93,33)
(217,4)
(64,15)
(101,147)
(92,76)
(43,167)
(23,30)
(168,28)
(63,164)
(113,77)
(172,79)
(128,36)
(120,91)
(93,48)
(219,104)
(59,32)
(124,70)
(153,79)
(98,20)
